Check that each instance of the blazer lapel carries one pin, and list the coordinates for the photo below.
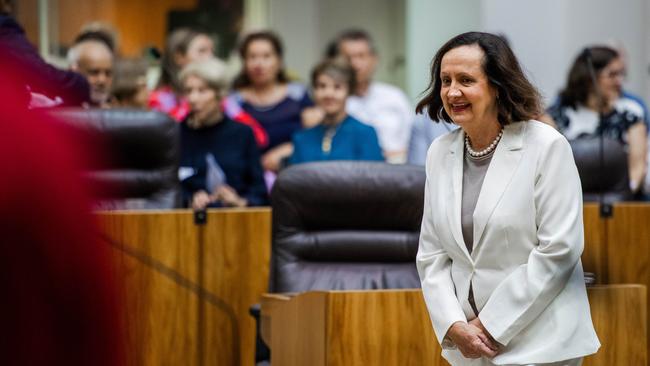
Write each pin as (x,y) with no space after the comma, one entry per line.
(455,166)
(502,167)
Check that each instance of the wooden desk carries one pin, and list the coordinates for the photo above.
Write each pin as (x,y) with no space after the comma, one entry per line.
(186,288)
(169,288)
(331,328)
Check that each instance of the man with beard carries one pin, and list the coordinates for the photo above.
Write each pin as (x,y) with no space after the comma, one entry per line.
(94,60)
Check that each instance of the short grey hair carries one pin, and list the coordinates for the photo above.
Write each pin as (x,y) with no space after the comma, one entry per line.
(75,52)
(213,71)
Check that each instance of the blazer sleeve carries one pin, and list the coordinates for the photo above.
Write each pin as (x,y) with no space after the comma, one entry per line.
(528,290)
(434,268)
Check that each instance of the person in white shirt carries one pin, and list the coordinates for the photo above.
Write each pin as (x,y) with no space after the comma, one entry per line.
(383,106)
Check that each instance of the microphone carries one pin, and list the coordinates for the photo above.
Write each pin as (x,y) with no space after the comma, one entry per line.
(605,208)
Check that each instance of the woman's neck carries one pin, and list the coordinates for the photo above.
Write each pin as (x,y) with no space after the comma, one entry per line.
(598,105)
(265,94)
(482,137)
(215,118)
(334,119)
(263,88)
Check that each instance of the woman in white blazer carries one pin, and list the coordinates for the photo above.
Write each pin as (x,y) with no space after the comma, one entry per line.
(502,231)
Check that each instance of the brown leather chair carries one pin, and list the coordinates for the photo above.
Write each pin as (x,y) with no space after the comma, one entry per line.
(609,176)
(141,148)
(346,225)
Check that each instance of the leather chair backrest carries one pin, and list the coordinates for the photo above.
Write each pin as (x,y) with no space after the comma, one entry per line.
(346,225)
(609,176)
(142,148)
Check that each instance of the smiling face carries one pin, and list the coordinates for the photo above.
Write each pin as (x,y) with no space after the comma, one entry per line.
(262,62)
(467,96)
(330,94)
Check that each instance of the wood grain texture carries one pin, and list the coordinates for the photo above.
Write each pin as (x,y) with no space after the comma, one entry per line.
(392,328)
(619,316)
(139,23)
(594,256)
(187,288)
(298,331)
(380,328)
(628,245)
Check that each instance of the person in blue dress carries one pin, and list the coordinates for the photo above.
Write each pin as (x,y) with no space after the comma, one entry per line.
(338,136)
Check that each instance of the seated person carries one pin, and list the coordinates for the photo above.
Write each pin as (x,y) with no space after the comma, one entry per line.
(183,47)
(381,105)
(130,84)
(580,106)
(338,136)
(220,162)
(93,59)
(265,99)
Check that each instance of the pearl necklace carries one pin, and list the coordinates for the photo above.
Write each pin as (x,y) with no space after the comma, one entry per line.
(487,150)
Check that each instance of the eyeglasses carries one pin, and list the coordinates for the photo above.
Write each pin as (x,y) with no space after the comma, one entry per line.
(613,74)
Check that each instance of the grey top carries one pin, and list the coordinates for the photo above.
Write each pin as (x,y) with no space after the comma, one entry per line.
(474,170)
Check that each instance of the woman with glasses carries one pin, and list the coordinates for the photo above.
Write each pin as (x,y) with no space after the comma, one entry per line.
(581,105)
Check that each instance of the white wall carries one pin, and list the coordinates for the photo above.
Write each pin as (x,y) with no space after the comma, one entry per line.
(429,24)
(548,35)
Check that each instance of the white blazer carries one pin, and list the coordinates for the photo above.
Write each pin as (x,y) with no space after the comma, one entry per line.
(525,267)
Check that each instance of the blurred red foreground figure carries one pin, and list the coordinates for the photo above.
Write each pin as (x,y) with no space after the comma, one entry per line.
(59,303)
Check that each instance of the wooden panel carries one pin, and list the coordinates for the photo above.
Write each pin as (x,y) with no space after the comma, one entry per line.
(594,255)
(628,237)
(380,328)
(157,310)
(628,245)
(139,23)
(236,271)
(619,316)
(393,328)
(298,331)
(184,283)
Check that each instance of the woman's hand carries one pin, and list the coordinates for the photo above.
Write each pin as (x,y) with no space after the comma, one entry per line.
(471,340)
(272,159)
(477,323)
(200,200)
(228,196)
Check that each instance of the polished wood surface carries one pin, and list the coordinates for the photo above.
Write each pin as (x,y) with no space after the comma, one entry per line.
(139,23)
(594,254)
(384,318)
(619,316)
(393,328)
(187,288)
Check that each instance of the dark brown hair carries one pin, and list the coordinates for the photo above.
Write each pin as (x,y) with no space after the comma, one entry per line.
(337,68)
(518,100)
(128,74)
(177,43)
(242,80)
(579,84)
(355,34)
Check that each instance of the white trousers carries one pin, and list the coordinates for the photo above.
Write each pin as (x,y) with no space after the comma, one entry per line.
(485,362)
